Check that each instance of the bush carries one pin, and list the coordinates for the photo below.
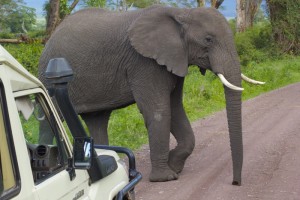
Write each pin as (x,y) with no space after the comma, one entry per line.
(27,54)
(285,19)
(256,44)
(6,35)
(37,34)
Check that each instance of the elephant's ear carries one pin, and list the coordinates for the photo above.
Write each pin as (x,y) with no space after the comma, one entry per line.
(158,34)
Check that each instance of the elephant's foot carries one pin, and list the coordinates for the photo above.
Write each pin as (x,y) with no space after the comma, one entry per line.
(177,159)
(162,175)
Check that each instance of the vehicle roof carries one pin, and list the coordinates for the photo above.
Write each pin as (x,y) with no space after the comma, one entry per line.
(19,77)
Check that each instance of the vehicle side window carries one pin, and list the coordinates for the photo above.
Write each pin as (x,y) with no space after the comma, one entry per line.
(8,175)
(45,147)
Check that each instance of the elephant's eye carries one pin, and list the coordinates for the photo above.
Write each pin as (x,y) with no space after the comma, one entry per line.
(208,40)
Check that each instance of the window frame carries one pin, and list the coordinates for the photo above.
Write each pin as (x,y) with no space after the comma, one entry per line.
(10,143)
(62,148)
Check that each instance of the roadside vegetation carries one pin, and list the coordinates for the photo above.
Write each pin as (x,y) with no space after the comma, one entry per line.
(261,57)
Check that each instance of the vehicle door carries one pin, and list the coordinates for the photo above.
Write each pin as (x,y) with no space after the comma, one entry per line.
(49,150)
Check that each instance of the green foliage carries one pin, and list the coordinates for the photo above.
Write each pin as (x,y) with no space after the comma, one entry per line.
(16,17)
(141,3)
(126,128)
(95,3)
(202,94)
(31,129)
(232,24)
(276,73)
(285,19)
(27,54)
(24,16)
(256,44)
(6,35)
(39,33)
(63,8)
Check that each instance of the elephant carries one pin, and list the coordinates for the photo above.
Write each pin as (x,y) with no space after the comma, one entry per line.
(142,56)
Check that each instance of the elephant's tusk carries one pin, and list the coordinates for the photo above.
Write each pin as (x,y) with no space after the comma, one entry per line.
(245,78)
(229,85)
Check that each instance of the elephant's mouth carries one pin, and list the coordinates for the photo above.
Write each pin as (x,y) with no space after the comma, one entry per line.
(202,71)
(233,87)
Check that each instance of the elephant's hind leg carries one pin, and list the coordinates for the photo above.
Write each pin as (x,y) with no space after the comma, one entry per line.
(181,129)
(184,135)
(97,123)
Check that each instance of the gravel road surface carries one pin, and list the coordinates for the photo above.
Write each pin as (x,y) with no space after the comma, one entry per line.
(271,169)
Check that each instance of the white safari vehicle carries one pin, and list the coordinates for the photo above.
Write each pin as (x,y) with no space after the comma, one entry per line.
(37,159)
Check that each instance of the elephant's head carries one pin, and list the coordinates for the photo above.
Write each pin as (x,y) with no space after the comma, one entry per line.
(177,38)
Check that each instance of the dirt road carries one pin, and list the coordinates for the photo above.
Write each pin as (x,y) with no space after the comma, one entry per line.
(271,169)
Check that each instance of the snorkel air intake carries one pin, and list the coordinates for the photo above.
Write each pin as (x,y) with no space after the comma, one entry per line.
(58,74)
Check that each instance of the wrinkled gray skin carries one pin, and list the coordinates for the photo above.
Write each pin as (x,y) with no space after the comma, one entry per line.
(143,56)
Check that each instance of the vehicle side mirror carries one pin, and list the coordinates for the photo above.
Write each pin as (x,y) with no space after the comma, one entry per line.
(83,152)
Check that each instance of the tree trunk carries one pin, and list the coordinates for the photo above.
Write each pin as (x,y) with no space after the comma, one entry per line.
(240,15)
(251,10)
(246,10)
(10,41)
(201,3)
(75,2)
(216,3)
(53,17)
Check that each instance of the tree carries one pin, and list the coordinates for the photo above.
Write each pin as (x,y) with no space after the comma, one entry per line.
(216,3)
(53,17)
(240,15)
(252,7)
(246,11)
(56,11)
(213,3)
(285,20)
(15,16)
(201,3)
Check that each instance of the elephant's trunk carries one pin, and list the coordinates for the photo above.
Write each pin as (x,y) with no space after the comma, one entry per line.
(227,66)
(234,117)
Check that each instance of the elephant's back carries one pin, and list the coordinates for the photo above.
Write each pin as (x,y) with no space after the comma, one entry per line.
(92,20)
(94,42)
(91,29)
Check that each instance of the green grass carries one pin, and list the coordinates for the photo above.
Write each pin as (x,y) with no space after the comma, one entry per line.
(276,74)
(203,95)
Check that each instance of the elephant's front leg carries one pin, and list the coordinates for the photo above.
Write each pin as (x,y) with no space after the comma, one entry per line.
(153,100)
(158,124)
(181,129)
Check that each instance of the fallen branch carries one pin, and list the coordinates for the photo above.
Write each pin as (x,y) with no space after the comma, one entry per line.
(23,39)
(11,41)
